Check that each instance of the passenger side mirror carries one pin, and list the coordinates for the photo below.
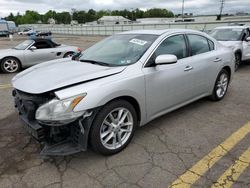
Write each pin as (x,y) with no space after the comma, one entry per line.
(248,39)
(165,59)
(32,48)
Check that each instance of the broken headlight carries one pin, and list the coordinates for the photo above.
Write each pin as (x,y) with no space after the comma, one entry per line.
(60,110)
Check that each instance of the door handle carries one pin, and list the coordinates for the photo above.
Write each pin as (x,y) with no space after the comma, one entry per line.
(188,68)
(217,60)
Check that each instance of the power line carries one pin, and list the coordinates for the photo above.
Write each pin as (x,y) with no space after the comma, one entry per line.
(182,9)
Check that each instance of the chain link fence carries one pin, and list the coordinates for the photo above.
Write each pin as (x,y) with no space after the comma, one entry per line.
(112,29)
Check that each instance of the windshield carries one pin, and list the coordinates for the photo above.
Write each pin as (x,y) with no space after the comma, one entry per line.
(227,34)
(24,45)
(119,50)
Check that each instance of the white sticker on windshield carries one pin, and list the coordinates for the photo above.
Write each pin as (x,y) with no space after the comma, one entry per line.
(138,41)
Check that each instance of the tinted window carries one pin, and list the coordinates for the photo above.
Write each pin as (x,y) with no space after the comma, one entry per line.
(42,45)
(198,44)
(174,45)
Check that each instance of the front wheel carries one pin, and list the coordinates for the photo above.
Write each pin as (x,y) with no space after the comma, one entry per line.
(10,65)
(221,86)
(113,127)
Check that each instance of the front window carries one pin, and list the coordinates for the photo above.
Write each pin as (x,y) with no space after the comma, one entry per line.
(227,34)
(24,45)
(174,45)
(119,50)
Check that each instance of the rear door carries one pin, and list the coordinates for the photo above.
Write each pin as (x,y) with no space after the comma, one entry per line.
(205,61)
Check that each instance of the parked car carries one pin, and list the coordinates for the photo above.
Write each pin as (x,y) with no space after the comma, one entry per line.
(43,33)
(237,38)
(118,84)
(32,52)
(4,33)
(27,32)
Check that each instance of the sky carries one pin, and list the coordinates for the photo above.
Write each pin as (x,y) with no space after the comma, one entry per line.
(191,6)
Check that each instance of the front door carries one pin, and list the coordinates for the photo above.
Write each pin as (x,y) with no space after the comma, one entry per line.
(43,52)
(168,85)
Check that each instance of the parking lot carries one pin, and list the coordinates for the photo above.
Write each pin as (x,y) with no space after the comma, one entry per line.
(201,145)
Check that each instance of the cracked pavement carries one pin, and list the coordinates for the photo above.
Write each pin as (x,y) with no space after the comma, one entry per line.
(159,153)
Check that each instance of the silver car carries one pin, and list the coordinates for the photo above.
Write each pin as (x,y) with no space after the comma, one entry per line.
(118,84)
(32,52)
(237,38)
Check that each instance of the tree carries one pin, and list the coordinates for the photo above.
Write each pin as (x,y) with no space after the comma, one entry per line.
(32,17)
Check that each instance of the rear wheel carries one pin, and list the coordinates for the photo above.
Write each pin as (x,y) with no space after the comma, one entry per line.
(237,60)
(113,127)
(10,65)
(221,86)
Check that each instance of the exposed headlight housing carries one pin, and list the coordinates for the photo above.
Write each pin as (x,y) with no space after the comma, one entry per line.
(60,111)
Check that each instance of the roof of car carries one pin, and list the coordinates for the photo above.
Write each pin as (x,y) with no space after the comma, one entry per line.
(233,27)
(160,31)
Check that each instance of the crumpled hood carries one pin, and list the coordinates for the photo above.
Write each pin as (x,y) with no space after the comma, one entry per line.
(59,73)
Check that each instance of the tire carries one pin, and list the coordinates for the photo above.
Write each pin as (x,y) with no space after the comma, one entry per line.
(110,132)
(10,65)
(237,60)
(68,55)
(220,86)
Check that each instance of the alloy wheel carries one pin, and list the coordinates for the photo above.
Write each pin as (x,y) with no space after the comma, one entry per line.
(10,65)
(116,128)
(222,85)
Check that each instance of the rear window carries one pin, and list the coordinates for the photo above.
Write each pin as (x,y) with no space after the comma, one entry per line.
(199,44)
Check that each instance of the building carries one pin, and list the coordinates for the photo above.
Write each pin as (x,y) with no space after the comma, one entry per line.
(154,20)
(74,22)
(112,20)
(51,21)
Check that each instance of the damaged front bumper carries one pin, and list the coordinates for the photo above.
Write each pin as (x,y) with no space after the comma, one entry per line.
(56,139)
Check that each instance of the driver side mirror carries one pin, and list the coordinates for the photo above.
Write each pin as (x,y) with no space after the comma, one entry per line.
(248,39)
(32,48)
(165,59)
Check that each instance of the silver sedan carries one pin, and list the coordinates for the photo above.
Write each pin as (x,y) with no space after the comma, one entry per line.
(122,82)
(32,52)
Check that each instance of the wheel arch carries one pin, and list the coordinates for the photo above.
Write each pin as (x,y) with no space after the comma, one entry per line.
(12,57)
(238,51)
(132,101)
(228,69)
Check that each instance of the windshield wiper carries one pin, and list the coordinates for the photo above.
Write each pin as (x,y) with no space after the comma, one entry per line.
(95,62)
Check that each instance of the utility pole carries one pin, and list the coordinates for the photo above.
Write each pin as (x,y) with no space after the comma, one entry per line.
(183,10)
(221,9)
